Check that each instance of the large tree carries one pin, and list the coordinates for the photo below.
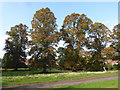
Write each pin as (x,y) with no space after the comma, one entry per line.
(98,38)
(116,40)
(43,38)
(74,31)
(15,47)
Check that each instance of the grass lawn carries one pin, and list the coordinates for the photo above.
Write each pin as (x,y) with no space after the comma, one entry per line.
(26,77)
(101,84)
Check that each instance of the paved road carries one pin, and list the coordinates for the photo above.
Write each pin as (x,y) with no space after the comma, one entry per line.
(66,82)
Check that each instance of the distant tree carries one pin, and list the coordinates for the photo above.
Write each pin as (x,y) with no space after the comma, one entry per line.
(74,30)
(44,37)
(15,47)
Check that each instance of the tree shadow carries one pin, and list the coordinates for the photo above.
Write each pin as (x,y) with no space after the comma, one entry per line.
(26,72)
(48,72)
(16,73)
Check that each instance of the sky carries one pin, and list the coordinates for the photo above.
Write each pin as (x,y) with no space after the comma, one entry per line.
(14,13)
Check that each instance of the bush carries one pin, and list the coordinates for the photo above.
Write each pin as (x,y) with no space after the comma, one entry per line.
(115,67)
(108,66)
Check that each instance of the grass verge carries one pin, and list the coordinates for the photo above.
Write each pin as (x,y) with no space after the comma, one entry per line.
(101,84)
(27,77)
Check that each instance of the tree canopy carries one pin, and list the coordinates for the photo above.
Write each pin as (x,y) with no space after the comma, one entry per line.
(74,31)
(15,47)
(43,38)
(86,44)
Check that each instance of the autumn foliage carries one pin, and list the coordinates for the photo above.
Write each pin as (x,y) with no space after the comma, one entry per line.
(43,39)
(86,44)
(15,47)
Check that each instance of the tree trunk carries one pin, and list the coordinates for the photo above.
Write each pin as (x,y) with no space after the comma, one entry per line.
(16,69)
(44,70)
(45,67)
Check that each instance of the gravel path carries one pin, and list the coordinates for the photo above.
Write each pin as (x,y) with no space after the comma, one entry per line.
(66,82)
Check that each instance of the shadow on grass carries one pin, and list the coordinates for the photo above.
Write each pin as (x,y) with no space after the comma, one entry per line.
(47,72)
(28,72)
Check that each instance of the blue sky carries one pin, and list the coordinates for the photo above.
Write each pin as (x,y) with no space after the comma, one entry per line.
(13,13)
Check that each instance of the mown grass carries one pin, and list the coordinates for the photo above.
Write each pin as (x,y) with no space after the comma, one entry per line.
(27,77)
(101,84)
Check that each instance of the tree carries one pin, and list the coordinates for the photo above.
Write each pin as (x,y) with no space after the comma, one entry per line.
(98,39)
(74,31)
(15,47)
(61,58)
(116,40)
(109,52)
(43,39)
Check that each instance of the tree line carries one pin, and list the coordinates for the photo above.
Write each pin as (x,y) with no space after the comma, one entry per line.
(87,44)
